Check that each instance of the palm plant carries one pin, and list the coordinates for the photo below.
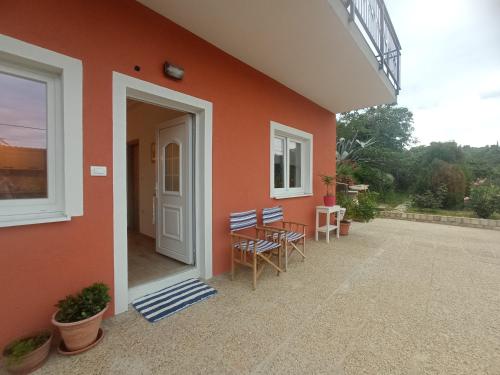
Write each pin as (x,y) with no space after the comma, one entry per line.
(348,150)
(328,181)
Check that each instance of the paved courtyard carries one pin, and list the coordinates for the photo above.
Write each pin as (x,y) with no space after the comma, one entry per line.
(395,297)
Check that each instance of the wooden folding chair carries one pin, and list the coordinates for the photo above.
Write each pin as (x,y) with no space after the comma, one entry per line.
(294,233)
(254,251)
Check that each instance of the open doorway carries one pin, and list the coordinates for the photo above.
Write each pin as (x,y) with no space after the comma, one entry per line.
(200,110)
(159,192)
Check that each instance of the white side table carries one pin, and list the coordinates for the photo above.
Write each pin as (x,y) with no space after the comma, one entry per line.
(327,210)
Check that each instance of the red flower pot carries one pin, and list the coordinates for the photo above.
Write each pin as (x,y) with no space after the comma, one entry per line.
(329,200)
(344,227)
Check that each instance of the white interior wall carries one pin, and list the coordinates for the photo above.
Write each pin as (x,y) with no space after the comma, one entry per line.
(142,121)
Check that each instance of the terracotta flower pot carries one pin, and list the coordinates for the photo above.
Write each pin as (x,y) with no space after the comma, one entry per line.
(79,335)
(344,228)
(329,200)
(31,361)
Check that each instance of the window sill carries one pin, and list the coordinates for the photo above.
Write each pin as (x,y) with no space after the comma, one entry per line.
(292,196)
(33,219)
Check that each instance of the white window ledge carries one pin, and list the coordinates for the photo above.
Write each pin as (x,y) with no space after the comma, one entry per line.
(36,219)
(293,196)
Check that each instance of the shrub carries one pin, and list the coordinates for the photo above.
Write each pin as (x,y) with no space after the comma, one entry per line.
(453,178)
(431,176)
(430,199)
(346,201)
(484,200)
(426,200)
(87,303)
(379,181)
(366,207)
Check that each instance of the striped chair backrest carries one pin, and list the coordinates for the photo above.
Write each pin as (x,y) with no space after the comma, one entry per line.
(270,215)
(243,220)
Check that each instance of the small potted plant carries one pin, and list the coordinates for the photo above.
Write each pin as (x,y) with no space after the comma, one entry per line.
(345,201)
(28,353)
(329,198)
(79,317)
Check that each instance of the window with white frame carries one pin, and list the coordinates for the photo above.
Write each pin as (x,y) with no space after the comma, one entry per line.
(40,135)
(291,161)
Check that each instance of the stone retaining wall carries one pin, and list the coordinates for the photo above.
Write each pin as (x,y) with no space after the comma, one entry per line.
(449,220)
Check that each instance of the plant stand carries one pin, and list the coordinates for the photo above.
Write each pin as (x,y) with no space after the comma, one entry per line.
(327,228)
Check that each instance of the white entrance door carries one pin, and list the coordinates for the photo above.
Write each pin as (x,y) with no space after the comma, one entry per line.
(174,182)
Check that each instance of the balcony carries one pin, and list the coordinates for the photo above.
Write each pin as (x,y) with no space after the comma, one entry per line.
(340,54)
(375,24)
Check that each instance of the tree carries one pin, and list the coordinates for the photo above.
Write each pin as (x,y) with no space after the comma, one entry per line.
(443,171)
(389,126)
(452,177)
(383,165)
(441,163)
(483,162)
(445,151)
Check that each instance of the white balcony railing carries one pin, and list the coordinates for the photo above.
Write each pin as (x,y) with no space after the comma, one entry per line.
(373,21)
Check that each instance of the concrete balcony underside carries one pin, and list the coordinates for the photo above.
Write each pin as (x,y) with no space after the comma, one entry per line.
(308,46)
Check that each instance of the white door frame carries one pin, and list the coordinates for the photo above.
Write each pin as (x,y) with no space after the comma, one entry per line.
(128,87)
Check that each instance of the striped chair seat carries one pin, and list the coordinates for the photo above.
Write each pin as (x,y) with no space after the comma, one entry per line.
(293,236)
(290,236)
(262,245)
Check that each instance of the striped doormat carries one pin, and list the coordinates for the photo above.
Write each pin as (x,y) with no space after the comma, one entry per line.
(168,301)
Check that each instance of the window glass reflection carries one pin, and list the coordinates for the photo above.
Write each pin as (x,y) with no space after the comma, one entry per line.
(23,138)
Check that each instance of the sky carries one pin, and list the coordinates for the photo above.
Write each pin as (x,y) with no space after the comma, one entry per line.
(23,112)
(450,69)
(450,76)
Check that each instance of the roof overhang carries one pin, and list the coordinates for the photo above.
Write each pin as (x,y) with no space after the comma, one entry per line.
(308,46)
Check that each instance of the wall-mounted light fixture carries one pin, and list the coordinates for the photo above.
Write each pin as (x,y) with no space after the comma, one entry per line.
(173,71)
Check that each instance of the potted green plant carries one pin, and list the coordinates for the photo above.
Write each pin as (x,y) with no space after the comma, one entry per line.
(365,207)
(79,317)
(28,353)
(345,201)
(329,198)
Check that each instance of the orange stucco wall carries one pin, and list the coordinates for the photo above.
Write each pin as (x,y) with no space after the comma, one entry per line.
(42,263)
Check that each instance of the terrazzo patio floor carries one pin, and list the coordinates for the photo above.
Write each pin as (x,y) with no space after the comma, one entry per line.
(394,297)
